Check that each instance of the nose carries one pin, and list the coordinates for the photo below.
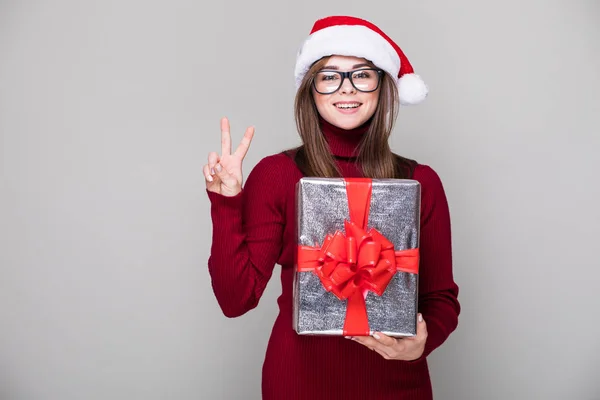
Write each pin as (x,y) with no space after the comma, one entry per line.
(347,86)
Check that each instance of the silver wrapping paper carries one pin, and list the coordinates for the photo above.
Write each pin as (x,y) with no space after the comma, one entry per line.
(321,208)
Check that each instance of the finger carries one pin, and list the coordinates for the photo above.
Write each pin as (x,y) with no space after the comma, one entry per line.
(359,339)
(213,159)
(421,325)
(221,172)
(242,149)
(366,341)
(374,344)
(225,137)
(207,174)
(421,329)
(389,346)
(384,339)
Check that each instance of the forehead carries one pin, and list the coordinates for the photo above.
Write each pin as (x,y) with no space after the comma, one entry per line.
(345,62)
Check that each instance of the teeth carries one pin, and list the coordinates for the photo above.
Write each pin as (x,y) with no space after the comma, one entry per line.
(354,105)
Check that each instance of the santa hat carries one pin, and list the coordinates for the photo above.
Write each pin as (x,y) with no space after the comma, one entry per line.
(350,36)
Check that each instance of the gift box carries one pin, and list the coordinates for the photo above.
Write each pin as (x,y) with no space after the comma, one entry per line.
(357,256)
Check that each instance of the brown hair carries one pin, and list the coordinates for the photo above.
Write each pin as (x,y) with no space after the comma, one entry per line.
(374,154)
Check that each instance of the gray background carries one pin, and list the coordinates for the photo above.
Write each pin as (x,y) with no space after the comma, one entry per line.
(107,112)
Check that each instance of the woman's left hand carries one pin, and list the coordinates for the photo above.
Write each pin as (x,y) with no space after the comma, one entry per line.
(407,349)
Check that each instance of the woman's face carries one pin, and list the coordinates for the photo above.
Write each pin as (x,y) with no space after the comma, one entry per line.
(347,108)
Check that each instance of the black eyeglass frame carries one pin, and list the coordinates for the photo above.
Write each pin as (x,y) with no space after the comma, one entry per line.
(348,74)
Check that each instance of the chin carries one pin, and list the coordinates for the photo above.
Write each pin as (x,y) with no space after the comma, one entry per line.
(347,124)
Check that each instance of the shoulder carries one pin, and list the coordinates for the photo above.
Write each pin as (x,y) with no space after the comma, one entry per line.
(432,188)
(433,194)
(426,175)
(276,166)
(272,176)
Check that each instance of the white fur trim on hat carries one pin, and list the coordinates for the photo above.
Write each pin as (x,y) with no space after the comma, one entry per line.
(360,41)
(347,40)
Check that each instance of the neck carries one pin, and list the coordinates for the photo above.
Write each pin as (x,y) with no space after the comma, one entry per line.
(342,142)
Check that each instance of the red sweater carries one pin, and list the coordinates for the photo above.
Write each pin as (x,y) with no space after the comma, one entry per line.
(255,230)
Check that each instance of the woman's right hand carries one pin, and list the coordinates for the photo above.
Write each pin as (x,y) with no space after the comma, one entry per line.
(223,173)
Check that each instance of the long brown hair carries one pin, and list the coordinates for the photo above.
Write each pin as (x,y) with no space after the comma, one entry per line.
(375,157)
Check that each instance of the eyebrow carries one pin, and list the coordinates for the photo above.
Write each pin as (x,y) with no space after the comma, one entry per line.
(354,66)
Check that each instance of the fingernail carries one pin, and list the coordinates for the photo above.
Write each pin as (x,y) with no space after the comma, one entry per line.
(376,336)
(209,178)
(420,318)
(212,171)
(347,337)
(218,167)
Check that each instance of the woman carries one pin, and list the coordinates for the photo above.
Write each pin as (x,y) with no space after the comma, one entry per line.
(350,78)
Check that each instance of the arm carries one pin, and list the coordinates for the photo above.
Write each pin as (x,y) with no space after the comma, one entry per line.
(438,292)
(247,239)
(438,303)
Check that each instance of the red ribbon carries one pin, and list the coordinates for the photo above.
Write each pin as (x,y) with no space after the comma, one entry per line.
(351,265)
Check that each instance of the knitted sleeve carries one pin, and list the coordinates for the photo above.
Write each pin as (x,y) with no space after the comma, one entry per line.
(247,236)
(438,292)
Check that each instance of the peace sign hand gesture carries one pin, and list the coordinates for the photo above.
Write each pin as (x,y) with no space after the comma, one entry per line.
(223,173)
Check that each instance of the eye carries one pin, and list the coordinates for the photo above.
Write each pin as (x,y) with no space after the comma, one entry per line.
(364,74)
(327,76)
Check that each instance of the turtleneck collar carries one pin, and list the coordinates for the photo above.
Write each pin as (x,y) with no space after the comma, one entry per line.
(342,142)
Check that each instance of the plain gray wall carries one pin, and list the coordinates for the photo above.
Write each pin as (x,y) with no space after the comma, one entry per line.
(108,110)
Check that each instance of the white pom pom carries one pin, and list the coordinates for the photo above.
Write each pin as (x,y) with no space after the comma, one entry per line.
(411,89)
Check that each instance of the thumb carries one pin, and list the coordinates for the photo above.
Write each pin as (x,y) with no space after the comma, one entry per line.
(421,326)
(421,329)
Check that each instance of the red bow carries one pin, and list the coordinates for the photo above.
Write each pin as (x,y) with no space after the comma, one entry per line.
(361,261)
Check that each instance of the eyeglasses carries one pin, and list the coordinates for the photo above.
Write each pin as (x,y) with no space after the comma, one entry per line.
(364,80)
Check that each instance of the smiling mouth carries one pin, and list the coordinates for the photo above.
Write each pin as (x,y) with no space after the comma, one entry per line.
(347,106)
